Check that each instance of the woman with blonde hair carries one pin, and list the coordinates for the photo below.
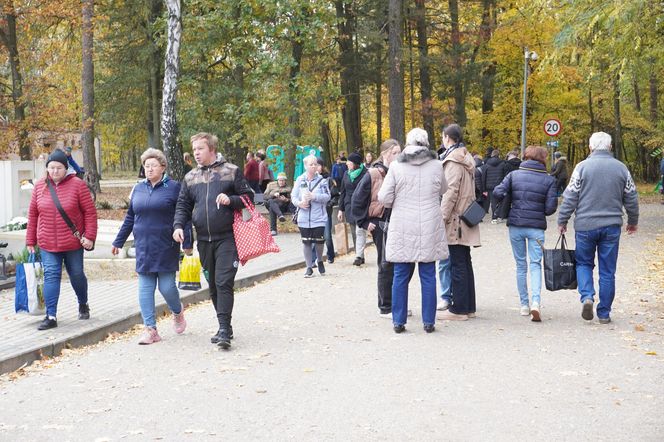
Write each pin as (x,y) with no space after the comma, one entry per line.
(150,219)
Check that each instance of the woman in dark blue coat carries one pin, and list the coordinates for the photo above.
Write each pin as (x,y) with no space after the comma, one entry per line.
(150,218)
(533,197)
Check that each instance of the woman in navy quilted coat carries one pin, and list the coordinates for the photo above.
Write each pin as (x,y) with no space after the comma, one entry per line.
(150,218)
(533,196)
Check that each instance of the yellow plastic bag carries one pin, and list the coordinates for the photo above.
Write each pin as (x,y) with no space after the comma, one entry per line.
(190,273)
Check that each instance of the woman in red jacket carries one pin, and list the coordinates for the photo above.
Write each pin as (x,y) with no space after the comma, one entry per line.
(48,229)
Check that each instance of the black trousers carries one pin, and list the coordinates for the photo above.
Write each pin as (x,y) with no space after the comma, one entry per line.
(495,205)
(463,280)
(220,260)
(385,273)
(276,209)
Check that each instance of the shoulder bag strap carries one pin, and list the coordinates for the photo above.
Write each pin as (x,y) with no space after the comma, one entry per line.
(63,214)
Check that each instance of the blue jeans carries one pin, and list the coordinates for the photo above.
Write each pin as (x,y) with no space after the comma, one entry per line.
(445,277)
(522,238)
(147,283)
(403,272)
(52,262)
(605,241)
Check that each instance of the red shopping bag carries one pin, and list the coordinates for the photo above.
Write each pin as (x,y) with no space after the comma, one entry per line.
(252,236)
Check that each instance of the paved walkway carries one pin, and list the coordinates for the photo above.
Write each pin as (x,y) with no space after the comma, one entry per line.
(114,308)
(312,360)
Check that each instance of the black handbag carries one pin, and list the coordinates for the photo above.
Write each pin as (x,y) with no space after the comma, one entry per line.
(559,266)
(473,215)
(65,217)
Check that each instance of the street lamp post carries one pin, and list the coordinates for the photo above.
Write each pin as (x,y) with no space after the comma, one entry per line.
(527,56)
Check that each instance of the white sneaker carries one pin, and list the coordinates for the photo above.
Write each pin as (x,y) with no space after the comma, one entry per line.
(525,310)
(385,315)
(443,304)
(494,221)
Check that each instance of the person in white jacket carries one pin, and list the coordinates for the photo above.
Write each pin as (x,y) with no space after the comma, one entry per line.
(413,188)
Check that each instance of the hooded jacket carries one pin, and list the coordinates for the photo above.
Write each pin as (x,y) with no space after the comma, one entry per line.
(198,195)
(412,188)
(493,173)
(46,227)
(459,169)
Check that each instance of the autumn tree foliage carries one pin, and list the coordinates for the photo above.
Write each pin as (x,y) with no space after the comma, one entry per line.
(340,74)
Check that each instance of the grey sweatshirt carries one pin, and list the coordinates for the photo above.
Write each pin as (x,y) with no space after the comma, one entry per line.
(599,188)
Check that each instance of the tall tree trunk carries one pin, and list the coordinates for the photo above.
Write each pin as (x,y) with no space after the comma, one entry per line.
(325,143)
(591,112)
(425,77)
(294,129)
(88,89)
(457,66)
(637,92)
(155,73)
(379,107)
(411,68)
(9,40)
(653,83)
(617,141)
(489,72)
(169,124)
(350,83)
(395,79)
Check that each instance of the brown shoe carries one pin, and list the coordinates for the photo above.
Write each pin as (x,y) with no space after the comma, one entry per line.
(449,316)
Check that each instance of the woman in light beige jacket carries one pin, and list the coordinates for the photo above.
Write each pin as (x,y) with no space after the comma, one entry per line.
(459,169)
(412,188)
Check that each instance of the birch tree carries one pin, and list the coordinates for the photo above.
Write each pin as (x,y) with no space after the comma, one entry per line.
(169,123)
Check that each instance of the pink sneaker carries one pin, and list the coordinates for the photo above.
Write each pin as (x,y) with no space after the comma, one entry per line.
(179,323)
(149,336)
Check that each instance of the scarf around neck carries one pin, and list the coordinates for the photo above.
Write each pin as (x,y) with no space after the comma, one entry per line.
(353,174)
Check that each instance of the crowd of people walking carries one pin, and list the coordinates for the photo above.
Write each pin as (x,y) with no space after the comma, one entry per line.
(418,205)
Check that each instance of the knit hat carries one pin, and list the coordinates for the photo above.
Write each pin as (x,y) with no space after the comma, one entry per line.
(557,154)
(388,144)
(281,175)
(355,158)
(59,156)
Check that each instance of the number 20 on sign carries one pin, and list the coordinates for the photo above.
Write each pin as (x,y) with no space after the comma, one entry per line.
(552,127)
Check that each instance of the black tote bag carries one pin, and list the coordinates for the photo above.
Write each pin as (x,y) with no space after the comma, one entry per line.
(559,266)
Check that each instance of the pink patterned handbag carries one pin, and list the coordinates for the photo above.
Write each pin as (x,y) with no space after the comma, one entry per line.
(252,237)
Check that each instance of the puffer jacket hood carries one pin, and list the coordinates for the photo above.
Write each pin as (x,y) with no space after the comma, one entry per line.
(416,155)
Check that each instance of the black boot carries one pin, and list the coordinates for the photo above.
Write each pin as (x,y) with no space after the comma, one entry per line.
(225,336)
(215,339)
(83,311)
(47,323)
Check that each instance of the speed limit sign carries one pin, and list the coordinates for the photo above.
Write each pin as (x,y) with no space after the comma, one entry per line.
(552,127)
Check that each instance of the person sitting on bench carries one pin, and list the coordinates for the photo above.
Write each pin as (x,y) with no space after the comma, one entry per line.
(277,200)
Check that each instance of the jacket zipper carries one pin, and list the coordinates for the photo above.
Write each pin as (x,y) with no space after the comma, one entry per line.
(207,206)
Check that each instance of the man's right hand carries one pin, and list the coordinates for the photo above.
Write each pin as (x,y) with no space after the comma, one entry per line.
(178,235)
(340,216)
(31,249)
(115,250)
(371,227)
(562,228)
(631,229)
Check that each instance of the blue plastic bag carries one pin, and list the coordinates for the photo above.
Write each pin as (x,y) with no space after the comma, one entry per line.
(29,291)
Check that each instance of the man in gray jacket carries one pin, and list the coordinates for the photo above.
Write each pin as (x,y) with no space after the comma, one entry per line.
(598,190)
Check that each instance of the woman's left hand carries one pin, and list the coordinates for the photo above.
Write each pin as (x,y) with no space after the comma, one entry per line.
(86,243)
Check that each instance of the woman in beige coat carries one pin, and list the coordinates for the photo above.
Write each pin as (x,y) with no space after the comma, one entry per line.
(459,169)
(413,187)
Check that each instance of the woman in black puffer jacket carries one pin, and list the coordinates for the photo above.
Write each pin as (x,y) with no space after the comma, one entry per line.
(533,197)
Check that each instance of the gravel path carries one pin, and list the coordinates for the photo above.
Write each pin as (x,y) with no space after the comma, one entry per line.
(313,360)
